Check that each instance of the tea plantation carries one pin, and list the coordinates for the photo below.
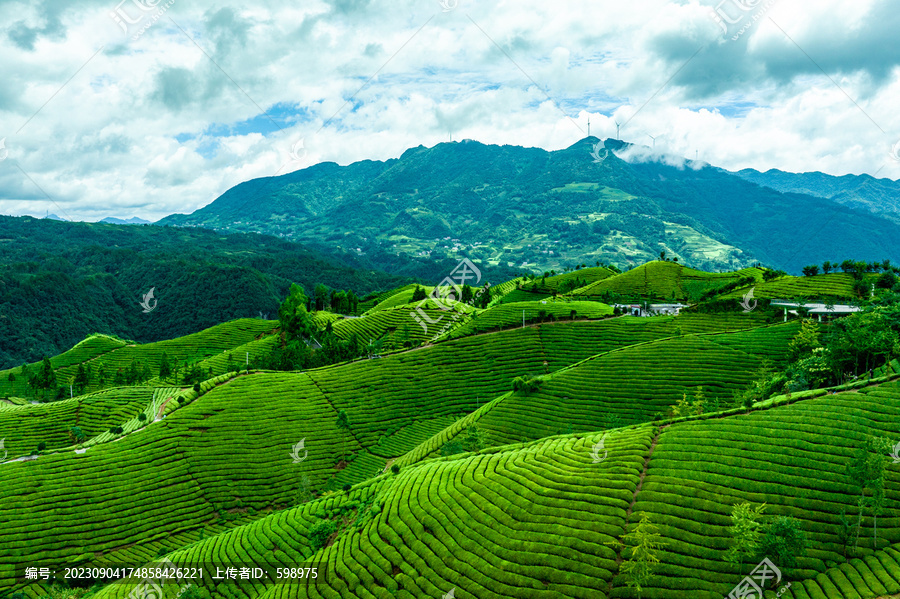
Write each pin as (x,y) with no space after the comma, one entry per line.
(584,454)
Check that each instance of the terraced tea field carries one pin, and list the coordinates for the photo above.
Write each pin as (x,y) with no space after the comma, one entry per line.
(587,276)
(113,355)
(251,468)
(834,285)
(506,315)
(663,281)
(489,524)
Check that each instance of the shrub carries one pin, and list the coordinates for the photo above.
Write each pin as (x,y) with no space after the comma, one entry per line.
(319,533)
(347,487)
(886,281)
(395,469)
(197,387)
(526,383)
(451,448)
(190,593)
(42,446)
(783,541)
(142,417)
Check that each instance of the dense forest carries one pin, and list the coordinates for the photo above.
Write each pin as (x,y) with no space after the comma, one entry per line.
(61,281)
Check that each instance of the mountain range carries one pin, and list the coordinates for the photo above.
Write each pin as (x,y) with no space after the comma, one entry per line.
(532,209)
(878,196)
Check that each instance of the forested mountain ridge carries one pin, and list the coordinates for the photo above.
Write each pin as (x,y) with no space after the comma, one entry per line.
(530,208)
(878,196)
(61,281)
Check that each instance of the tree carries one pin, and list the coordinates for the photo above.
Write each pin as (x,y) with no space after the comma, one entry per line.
(770,275)
(783,541)
(45,378)
(418,294)
(352,302)
(699,400)
(886,280)
(81,378)
(845,532)
(682,407)
(745,532)
(373,347)
(77,434)
(320,532)
(806,340)
(485,298)
(827,267)
(339,302)
(867,471)
(321,294)
(644,543)
(811,270)
(295,322)
(164,369)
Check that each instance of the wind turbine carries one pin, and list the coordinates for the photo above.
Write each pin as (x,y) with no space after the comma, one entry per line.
(617,129)
(653,138)
(589,126)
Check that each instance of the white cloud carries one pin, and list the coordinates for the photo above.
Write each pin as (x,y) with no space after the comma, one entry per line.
(155,126)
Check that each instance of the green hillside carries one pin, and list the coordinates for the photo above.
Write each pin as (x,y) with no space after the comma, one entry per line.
(835,285)
(506,315)
(574,279)
(489,524)
(663,281)
(496,461)
(113,356)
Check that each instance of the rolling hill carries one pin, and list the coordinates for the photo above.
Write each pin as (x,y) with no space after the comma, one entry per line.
(500,460)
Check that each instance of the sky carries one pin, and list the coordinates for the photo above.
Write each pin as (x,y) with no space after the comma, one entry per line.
(149,107)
